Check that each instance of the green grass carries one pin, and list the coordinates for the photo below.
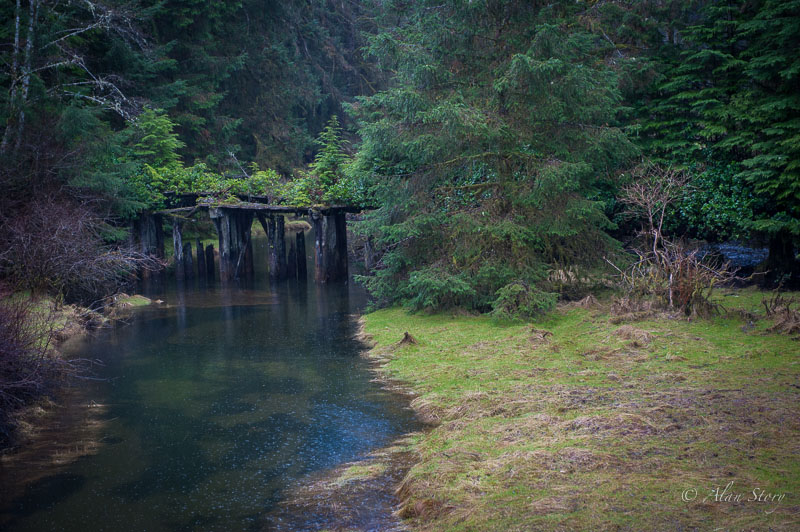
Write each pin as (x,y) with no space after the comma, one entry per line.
(597,426)
(133,301)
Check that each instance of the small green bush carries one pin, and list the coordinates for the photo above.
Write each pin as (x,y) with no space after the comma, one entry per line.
(518,300)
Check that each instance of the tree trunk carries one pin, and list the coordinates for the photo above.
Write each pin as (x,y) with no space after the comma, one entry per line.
(12,102)
(782,267)
(27,69)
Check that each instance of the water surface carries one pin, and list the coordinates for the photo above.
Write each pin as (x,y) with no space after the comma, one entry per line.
(215,404)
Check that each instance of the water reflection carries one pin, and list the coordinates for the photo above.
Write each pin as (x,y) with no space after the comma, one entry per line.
(216,403)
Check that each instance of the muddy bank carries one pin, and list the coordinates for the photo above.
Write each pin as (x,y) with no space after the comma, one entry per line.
(358,495)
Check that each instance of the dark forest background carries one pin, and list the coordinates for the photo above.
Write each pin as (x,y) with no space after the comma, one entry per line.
(493,136)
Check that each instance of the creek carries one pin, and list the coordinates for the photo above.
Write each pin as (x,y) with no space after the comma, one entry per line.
(213,406)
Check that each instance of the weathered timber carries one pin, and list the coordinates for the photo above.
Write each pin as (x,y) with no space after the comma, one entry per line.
(280,245)
(187,202)
(210,262)
(148,232)
(268,223)
(233,229)
(201,260)
(274,228)
(291,264)
(317,222)
(330,251)
(188,263)
(302,268)
(236,255)
(336,244)
(267,209)
(177,248)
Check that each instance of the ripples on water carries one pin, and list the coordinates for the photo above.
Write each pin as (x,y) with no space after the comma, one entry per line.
(215,404)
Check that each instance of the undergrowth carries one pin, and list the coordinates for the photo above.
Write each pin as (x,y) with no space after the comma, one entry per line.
(29,369)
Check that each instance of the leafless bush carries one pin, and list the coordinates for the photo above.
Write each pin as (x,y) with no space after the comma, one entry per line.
(56,246)
(668,270)
(784,313)
(28,368)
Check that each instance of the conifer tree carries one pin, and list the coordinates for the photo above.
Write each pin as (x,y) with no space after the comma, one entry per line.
(488,151)
(728,102)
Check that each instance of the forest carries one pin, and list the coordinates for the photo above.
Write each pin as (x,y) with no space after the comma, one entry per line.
(511,156)
(510,127)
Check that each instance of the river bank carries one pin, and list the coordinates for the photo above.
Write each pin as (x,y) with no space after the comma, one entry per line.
(596,418)
(49,325)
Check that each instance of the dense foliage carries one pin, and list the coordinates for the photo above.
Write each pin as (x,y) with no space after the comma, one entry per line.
(488,152)
(493,135)
(726,105)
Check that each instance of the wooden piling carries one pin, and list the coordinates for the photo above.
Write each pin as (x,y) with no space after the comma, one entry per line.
(268,223)
(280,245)
(233,228)
(291,264)
(338,263)
(148,231)
(210,262)
(318,223)
(331,247)
(302,268)
(177,247)
(274,227)
(188,263)
(201,260)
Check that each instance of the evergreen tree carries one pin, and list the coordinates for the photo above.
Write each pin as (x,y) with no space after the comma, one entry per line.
(769,109)
(330,160)
(488,151)
(728,99)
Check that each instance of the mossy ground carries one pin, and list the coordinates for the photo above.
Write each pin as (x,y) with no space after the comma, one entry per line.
(573,422)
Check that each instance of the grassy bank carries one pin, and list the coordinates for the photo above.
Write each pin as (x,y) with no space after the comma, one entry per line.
(583,420)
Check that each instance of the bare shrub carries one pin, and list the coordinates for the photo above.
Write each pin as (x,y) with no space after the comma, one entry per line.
(28,367)
(784,313)
(676,275)
(52,245)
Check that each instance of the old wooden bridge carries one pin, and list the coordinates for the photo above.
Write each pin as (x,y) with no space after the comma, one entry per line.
(233,224)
